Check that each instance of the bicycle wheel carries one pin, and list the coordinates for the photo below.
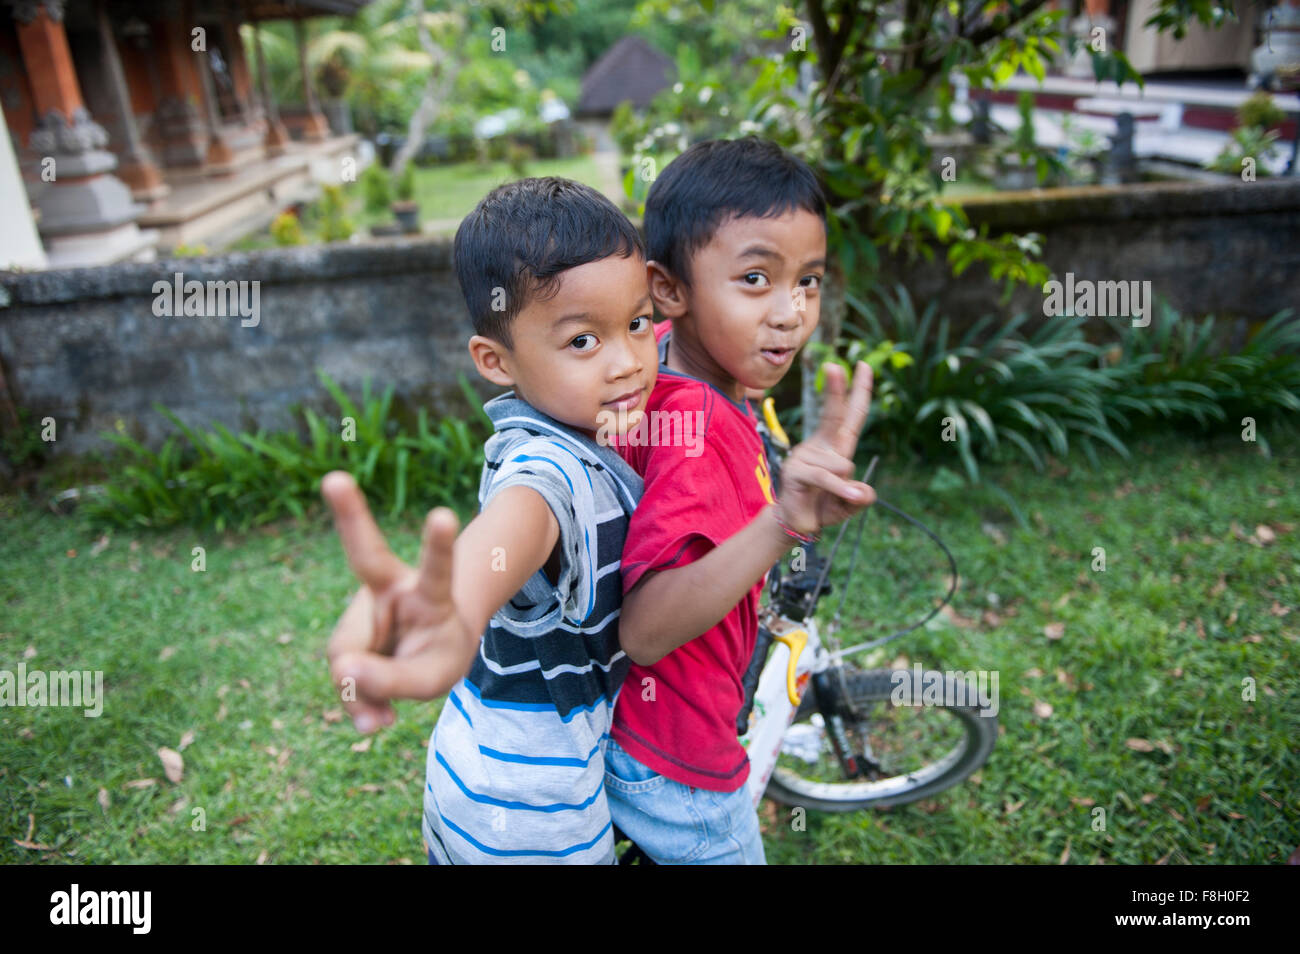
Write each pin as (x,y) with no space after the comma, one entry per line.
(914,751)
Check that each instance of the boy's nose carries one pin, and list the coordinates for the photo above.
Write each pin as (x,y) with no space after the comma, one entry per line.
(624,362)
(785,312)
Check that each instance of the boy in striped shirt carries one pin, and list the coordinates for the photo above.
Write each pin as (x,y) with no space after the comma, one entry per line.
(518,621)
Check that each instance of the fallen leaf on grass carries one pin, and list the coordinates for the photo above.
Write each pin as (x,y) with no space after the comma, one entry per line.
(950,614)
(261,859)
(1148,798)
(1139,745)
(167,653)
(1277,609)
(1043,710)
(32,845)
(1084,802)
(141,783)
(173,764)
(1177,817)
(1203,803)
(104,799)
(30,651)
(1264,535)
(1054,630)
(1034,673)
(363,745)
(332,715)
(1065,855)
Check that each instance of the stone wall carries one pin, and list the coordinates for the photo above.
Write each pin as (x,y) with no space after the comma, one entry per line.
(85,346)
(1232,250)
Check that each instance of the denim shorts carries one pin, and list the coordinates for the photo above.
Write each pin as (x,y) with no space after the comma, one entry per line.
(678,824)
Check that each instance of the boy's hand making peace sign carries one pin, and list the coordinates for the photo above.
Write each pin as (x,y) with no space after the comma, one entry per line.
(817,489)
(413,633)
(402,636)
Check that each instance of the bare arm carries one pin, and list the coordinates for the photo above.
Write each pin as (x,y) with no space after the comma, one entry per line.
(669,608)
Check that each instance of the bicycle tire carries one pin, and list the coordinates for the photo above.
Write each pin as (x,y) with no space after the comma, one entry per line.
(871,686)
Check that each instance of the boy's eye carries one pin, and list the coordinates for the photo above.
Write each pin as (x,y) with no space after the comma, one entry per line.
(811,281)
(583,343)
(640,323)
(756,279)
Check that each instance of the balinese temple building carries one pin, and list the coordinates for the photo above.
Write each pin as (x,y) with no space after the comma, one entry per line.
(131,126)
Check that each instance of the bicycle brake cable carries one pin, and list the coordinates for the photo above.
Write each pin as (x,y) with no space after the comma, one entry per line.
(812,598)
(952,588)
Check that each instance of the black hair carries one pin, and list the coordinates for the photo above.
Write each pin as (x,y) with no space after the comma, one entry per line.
(512,248)
(716,180)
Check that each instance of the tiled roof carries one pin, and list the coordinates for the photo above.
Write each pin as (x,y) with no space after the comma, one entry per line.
(631,69)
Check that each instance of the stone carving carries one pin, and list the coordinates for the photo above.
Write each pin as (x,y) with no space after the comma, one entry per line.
(55,135)
(25,11)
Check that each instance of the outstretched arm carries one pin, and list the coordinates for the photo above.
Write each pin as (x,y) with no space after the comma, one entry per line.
(412,633)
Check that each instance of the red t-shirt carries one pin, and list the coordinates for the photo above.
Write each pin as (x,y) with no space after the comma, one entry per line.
(699,491)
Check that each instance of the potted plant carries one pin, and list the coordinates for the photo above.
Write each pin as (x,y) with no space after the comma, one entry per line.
(405,209)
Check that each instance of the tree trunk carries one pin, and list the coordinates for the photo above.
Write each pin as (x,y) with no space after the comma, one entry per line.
(441,76)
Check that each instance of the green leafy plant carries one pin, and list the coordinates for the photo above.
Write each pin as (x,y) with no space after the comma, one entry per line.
(405,186)
(287,230)
(377,188)
(993,389)
(22,448)
(1246,143)
(1260,111)
(218,479)
(1174,371)
(335,224)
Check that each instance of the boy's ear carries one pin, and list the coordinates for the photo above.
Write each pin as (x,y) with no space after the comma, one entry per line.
(490,358)
(668,292)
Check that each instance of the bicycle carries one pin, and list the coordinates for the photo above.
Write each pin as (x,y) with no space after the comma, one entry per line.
(812,722)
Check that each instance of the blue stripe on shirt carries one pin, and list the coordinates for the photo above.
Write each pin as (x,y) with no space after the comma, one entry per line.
(520,806)
(543,759)
(531,706)
(518,852)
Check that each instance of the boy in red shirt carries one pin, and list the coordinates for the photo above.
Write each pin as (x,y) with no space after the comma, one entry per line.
(736,237)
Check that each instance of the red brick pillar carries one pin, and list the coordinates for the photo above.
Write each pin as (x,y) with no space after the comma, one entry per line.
(183,134)
(136,168)
(86,212)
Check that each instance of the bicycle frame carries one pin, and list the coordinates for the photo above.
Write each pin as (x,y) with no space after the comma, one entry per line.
(781,686)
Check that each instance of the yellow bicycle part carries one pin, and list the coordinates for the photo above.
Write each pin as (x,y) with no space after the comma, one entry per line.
(773,424)
(795,641)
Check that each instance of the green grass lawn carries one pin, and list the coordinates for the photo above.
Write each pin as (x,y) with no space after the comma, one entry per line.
(446,194)
(1194,600)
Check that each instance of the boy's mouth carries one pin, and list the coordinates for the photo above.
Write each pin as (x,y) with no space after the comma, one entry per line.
(625,401)
(777,356)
